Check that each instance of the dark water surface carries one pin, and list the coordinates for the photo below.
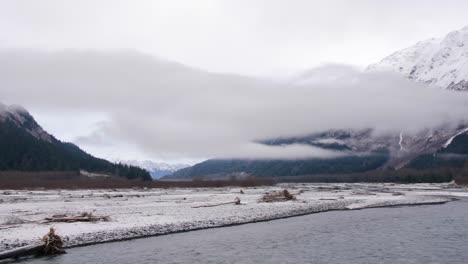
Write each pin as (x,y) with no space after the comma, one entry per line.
(422,234)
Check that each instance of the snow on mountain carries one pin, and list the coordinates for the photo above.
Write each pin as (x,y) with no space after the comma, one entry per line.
(401,147)
(442,62)
(156,169)
(21,118)
(450,140)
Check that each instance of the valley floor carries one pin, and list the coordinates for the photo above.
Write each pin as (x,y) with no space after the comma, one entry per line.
(146,212)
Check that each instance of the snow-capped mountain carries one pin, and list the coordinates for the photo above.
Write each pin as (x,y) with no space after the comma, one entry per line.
(442,62)
(439,62)
(156,169)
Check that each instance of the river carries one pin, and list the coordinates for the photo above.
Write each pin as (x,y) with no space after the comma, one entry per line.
(419,234)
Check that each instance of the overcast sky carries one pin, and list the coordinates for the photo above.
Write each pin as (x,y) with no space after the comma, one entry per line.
(87,45)
(266,37)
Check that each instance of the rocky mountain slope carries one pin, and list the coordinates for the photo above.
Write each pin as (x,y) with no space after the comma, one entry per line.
(21,118)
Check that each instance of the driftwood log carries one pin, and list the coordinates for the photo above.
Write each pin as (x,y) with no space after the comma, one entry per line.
(277,196)
(22,251)
(50,244)
(84,217)
(236,202)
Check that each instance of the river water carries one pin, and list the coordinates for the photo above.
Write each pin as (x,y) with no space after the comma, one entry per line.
(422,234)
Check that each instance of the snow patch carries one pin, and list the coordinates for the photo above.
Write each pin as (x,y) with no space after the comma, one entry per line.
(400,142)
(442,62)
(449,141)
(143,212)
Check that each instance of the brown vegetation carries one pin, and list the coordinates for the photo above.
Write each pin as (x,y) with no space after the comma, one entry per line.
(72,180)
(394,176)
(462,177)
(462,180)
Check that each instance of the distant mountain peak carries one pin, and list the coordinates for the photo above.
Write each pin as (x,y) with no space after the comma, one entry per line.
(442,62)
(156,169)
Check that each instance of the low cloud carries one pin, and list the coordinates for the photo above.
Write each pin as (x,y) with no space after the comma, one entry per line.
(169,110)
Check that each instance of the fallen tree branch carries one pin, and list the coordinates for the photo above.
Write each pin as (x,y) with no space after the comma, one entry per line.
(22,251)
(236,202)
(84,217)
(8,227)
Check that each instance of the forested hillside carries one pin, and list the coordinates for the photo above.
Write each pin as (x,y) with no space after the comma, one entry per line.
(24,146)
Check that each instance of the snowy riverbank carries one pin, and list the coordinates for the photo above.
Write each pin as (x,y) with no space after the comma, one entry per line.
(145,212)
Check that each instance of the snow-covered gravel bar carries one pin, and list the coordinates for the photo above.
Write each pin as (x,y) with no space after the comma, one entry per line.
(146,212)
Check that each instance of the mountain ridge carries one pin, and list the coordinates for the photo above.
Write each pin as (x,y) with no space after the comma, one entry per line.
(442,62)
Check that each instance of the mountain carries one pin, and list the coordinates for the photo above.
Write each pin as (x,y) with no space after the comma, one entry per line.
(432,149)
(156,169)
(364,155)
(365,151)
(25,146)
(454,154)
(399,148)
(442,62)
(439,62)
(275,168)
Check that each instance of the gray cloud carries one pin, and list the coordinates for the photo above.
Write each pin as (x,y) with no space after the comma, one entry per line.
(172,111)
(250,37)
